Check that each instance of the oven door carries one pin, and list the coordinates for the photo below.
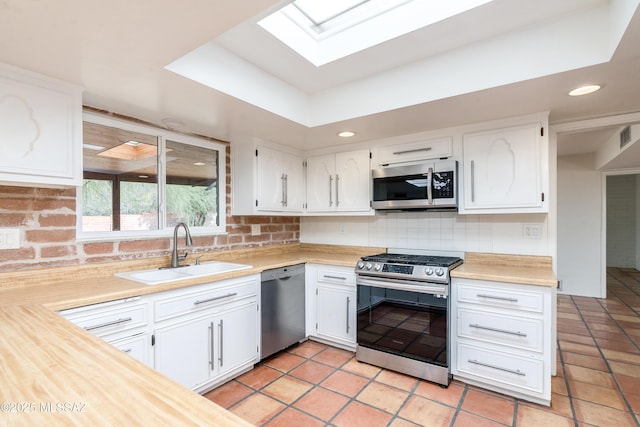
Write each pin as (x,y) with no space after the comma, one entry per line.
(407,320)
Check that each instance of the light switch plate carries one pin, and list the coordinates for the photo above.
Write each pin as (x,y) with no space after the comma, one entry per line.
(9,238)
(255,229)
(532,231)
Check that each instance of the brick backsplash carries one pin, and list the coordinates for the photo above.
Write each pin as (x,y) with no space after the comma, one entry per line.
(47,218)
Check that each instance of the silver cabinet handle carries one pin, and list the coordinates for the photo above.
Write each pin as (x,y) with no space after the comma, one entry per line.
(330,190)
(211,346)
(503,331)
(286,189)
(337,190)
(473,181)
(417,150)
(511,371)
(430,186)
(198,302)
(111,323)
(126,350)
(220,338)
(326,276)
(348,302)
(282,190)
(498,298)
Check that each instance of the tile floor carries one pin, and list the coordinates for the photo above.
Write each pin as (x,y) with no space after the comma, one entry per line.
(598,382)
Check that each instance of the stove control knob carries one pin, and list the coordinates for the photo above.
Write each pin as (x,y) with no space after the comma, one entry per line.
(439,271)
(360,265)
(428,271)
(368,266)
(377,267)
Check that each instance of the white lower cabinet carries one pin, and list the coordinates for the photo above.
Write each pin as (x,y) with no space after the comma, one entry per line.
(331,304)
(501,337)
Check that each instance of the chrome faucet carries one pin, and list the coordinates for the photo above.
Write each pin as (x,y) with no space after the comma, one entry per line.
(175,258)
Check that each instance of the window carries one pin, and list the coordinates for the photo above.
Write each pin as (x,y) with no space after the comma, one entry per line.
(141,181)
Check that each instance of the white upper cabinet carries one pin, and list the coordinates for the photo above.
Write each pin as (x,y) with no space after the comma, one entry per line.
(339,182)
(266,179)
(504,170)
(415,151)
(40,130)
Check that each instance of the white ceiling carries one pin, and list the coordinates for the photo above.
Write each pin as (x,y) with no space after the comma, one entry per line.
(504,59)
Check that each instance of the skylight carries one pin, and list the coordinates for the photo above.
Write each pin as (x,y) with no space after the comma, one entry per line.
(323,31)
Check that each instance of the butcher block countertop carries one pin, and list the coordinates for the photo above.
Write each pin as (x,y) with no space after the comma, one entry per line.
(523,269)
(56,374)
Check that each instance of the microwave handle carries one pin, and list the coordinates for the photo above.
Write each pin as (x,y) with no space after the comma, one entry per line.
(430,186)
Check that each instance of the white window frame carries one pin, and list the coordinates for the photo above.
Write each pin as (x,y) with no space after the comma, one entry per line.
(162,231)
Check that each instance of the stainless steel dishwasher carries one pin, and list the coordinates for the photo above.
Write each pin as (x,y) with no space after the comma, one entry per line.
(283,303)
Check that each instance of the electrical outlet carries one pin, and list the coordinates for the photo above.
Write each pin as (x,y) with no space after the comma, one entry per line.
(532,231)
(341,228)
(255,229)
(9,238)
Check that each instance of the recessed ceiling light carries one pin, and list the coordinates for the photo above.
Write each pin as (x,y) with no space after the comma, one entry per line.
(143,176)
(93,147)
(584,90)
(173,124)
(132,143)
(199,164)
(346,134)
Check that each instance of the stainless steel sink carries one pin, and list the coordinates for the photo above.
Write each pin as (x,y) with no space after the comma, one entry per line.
(166,275)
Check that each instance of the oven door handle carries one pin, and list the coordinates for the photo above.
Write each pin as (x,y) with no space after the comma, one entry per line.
(441,289)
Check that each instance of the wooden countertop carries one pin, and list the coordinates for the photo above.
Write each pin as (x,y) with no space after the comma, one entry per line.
(47,360)
(524,269)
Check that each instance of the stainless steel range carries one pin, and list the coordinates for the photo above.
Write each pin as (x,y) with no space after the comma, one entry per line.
(403,311)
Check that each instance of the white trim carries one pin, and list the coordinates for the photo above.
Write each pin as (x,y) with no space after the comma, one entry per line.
(163,135)
(590,124)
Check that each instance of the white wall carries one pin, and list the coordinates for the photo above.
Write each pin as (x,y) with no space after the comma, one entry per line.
(434,231)
(579,226)
(621,221)
(637,263)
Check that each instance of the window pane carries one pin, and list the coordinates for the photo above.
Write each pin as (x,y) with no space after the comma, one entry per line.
(97,214)
(128,161)
(320,11)
(192,185)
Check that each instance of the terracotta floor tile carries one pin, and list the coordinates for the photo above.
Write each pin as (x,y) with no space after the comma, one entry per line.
(627,345)
(287,389)
(590,376)
(560,405)
(628,384)
(333,356)
(573,330)
(599,415)
(559,385)
(585,361)
(229,393)
(398,380)
(345,383)
(570,316)
(307,349)
(358,415)
(312,372)
(601,395)
(465,419)
(259,376)
(322,403)
(284,361)
(426,412)
(616,336)
(257,409)
(399,422)
(621,356)
(627,369)
(634,402)
(448,396)
(589,350)
(489,406)
(292,417)
(533,417)
(580,339)
(363,369)
(595,326)
(626,318)
(383,397)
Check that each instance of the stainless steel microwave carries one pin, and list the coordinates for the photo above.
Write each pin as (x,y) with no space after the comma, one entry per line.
(428,185)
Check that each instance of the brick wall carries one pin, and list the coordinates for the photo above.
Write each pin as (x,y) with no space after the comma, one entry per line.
(47,218)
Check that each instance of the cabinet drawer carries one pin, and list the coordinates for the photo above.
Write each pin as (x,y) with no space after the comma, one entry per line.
(501,297)
(501,369)
(420,150)
(136,346)
(512,331)
(110,319)
(177,303)
(337,275)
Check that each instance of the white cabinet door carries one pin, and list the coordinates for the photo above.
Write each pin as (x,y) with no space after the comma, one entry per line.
(336,313)
(321,171)
(237,337)
(41,132)
(138,347)
(279,181)
(353,179)
(184,351)
(502,170)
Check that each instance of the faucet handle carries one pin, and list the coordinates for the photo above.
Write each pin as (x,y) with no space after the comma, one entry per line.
(183,257)
(198,259)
